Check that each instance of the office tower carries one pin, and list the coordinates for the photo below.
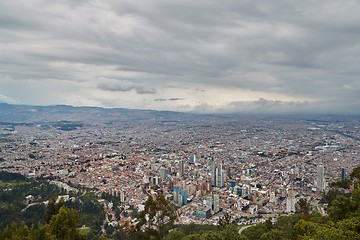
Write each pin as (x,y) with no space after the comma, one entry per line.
(219,176)
(122,196)
(290,202)
(213,172)
(216,203)
(320,180)
(184,195)
(192,158)
(176,194)
(228,173)
(244,191)
(343,174)
(272,197)
(181,168)
(162,173)
(209,202)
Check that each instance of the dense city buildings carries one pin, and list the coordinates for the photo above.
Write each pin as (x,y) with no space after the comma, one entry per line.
(249,165)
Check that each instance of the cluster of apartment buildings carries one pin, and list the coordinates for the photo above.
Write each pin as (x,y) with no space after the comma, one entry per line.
(248,167)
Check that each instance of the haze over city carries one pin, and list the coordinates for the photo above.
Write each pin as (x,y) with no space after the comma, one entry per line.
(189,56)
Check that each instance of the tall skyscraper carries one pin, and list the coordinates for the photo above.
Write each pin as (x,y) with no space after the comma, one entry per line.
(213,172)
(216,203)
(184,195)
(192,158)
(343,174)
(181,168)
(209,202)
(320,180)
(272,197)
(176,194)
(122,196)
(290,202)
(162,173)
(219,176)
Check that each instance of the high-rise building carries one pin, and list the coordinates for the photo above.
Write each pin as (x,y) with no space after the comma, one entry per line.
(181,168)
(290,202)
(272,197)
(244,190)
(219,176)
(122,196)
(184,195)
(162,173)
(216,203)
(192,158)
(209,202)
(213,172)
(180,196)
(343,174)
(176,193)
(320,180)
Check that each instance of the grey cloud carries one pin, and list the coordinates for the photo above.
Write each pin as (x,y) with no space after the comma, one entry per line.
(176,99)
(305,49)
(144,90)
(168,99)
(125,86)
(261,105)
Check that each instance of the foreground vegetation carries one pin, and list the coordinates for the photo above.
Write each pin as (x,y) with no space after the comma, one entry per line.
(15,210)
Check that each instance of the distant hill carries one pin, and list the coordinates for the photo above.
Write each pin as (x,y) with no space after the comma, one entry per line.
(36,114)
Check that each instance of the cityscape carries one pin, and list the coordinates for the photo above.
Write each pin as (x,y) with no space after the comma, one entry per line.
(254,167)
(179,120)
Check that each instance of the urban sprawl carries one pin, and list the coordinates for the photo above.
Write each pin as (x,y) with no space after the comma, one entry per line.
(252,167)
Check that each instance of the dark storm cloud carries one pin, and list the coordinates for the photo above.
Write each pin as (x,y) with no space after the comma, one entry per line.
(303,49)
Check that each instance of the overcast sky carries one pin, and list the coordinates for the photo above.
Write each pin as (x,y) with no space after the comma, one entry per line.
(196,56)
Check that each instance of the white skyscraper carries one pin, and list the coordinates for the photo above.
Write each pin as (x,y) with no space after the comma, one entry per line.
(219,176)
(209,202)
(213,172)
(272,197)
(216,203)
(290,202)
(320,180)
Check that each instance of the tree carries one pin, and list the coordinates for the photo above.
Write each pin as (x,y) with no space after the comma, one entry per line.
(52,209)
(340,208)
(225,220)
(304,227)
(64,224)
(255,232)
(286,225)
(268,224)
(212,235)
(274,234)
(355,174)
(231,232)
(303,207)
(174,235)
(157,218)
